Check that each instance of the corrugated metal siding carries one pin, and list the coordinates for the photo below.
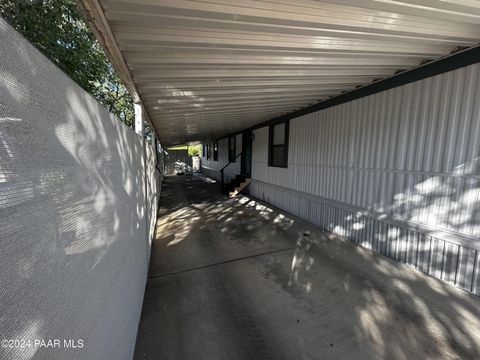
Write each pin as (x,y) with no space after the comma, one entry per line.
(212,168)
(198,63)
(397,172)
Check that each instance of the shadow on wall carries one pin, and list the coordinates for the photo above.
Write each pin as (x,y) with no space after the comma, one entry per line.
(432,225)
(71,211)
(449,203)
(383,308)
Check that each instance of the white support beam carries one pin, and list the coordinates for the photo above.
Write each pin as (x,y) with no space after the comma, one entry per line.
(95,17)
(139,119)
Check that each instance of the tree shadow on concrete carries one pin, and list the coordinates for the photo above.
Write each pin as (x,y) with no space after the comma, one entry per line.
(318,296)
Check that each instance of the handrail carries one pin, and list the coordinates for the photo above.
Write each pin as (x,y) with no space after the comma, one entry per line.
(235,158)
(221,170)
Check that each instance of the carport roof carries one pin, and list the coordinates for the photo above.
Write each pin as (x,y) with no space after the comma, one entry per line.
(204,69)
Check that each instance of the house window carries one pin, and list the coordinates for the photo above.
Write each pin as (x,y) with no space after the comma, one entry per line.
(215,151)
(208,151)
(278,145)
(231,149)
(204,150)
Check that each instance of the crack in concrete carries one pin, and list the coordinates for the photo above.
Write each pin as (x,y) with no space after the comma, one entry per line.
(220,263)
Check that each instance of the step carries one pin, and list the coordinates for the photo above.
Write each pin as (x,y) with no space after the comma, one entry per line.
(239,188)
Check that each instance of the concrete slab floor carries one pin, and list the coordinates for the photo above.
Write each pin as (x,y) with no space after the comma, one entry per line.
(236,279)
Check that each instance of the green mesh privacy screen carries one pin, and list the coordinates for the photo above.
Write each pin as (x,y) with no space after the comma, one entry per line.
(75,222)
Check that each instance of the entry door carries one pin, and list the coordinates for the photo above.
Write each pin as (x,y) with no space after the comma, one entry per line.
(247,153)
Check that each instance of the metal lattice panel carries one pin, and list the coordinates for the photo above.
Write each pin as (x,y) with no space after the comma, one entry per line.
(73,254)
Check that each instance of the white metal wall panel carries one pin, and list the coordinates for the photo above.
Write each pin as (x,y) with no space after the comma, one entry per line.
(398,172)
(73,240)
(212,168)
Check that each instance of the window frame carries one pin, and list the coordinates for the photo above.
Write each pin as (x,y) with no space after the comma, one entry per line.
(285,144)
(232,157)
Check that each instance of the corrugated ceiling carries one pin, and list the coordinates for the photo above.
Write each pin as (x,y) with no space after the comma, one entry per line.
(207,68)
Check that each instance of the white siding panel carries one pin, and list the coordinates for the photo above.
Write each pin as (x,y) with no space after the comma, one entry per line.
(212,168)
(406,158)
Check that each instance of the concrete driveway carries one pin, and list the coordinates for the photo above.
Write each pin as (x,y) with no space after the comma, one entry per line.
(237,279)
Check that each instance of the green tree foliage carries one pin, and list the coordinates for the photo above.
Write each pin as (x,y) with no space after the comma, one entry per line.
(57,28)
(194,150)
